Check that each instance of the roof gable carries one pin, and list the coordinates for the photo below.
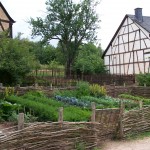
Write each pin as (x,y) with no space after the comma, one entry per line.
(145,24)
(114,35)
(6,13)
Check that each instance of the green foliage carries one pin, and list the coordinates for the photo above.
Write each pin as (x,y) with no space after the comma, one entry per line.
(70,23)
(138,136)
(109,102)
(43,111)
(89,60)
(97,90)
(72,113)
(102,102)
(146,101)
(7,109)
(47,109)
(16,60)
(80,146)
(9,91)
(143,79)
(83,89)
(27,117)
(67,93)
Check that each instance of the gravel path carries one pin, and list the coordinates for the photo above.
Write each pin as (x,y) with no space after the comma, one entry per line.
(142,144)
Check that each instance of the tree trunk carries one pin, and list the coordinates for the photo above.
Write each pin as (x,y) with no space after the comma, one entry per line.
(68,70)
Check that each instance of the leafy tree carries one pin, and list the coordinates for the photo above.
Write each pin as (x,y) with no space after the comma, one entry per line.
(89,60)
(15,60)
(53,65)
(44,54)
(70,23)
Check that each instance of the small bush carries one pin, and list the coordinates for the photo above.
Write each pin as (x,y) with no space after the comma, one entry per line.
(146,101)
(83,89)
(143,79)
(97,90)
(7,109)
(43,111)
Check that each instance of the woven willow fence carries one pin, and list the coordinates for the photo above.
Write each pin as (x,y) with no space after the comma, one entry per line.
(105,124)
(136,121)
(59,135)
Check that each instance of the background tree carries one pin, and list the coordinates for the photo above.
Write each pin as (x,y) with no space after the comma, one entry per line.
(70,23)
(89,60)
(15,60)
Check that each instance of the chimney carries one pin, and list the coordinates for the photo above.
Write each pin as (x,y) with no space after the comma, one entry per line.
(138,14)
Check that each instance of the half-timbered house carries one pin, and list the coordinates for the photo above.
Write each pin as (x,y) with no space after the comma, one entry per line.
(129,50)
(6,22)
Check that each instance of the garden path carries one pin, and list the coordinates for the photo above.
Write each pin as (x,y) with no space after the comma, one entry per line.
(140,144)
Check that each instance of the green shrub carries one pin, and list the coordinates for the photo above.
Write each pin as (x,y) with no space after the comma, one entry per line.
(72,113)
(143,79)
(97,90)
(47,109)
(109,102)
(146,101)
(9,91)
(43,111)
(6,109)
(27,117)
(83,89)
(67,93)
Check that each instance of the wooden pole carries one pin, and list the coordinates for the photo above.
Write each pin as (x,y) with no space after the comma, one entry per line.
(93,112)
(124,84)
(121,134)
(51,86)
(140,104)
(60,117)
(1,84)
(21,121)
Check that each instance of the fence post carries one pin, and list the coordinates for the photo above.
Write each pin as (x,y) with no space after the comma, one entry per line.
(124,84)
(36,85)
(60,117)
(93,112)
(140,104)
(21,121)
(1,85)
(51,86)
(121,134)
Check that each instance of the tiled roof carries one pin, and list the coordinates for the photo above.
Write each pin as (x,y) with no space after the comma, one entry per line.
(145,24)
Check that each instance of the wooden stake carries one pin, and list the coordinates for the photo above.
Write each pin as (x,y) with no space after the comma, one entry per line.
(1,84)
(121,134)
(21,121)
(140,104)
(60,117)
(93,112)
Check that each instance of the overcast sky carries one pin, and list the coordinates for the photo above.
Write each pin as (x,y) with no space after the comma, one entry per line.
(111,13)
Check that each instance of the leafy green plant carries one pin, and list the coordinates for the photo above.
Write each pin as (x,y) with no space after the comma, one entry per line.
(43,111)
(80,146)
(97,90)
(9,91)
(143,79)
(68,93)
(83,89)
(146,101)
(27,117)
(7,109)
(30,118)
(46,109)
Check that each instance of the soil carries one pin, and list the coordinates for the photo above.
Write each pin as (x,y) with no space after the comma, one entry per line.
(140,144)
